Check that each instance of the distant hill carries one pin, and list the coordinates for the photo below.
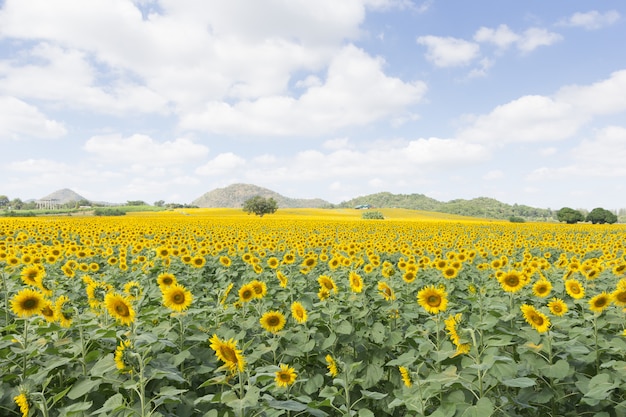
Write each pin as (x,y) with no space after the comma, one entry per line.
(63,196)
(478,207)
(235,195)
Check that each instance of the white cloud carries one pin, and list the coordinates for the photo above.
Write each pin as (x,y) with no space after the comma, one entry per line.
(591,20)
(494,174)
(222,164)
(338,143)
(603,97)
(355,92)
(444,151)
(20,119)
(548,151)
(533,38)
(502,37)
(142,151)
(448,51)
(38,166)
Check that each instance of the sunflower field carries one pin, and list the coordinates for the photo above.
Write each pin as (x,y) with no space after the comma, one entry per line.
(213,313)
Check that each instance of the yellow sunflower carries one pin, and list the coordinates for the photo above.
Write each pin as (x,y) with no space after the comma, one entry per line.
(557,307)
(31,275)
(227,352)
(273,321)
(27,302)
(386,291)
(299,312)
(120,308)
(259,287)
(21,401)
(327,283)
(409,276)
(600,302)
(619,295)
(226,292)
(273,262)
(133,290)
(406,376)
(574,289)
(198,261)
(432,299)
(535,318)
(542,288)
(356,282)
(511,281)
(225,261)
(121,356)
(450,272)
(331,365)
(63,311)
(282,278)
(165,280)
(177,298)
(47,311)
(286,376)
(246,293)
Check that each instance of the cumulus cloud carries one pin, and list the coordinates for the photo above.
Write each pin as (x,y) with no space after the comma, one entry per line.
(20,120)
(143,151)
(591,20)
(223,163)
(37,166)
(530,39)
(449,51)
(502,36)
(355,92)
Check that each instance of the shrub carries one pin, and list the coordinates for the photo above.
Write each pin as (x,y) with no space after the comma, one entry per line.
(516,219)
(108,212)
(373,215)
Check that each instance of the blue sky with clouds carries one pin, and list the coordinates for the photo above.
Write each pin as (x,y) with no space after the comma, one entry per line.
(122,100)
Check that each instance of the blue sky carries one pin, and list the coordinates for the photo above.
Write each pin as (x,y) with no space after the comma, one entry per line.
(153,100)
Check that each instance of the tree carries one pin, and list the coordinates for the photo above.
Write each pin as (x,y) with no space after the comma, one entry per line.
(4,200)
(260,205)
(159,203)
(136,203)
(599,216)
(16,204)
(569,215)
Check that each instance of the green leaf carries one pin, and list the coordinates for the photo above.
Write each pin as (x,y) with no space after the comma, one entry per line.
(344,327)
(290,405)
(559,370)
(76,408)
(373,374)
(104,366)
(378,332)
(82,387)
(364,412)
(483,408)
(522,382)
(329,341)
(372,394)
(113,403)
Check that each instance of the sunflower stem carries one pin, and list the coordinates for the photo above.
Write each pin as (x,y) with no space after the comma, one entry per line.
(82,342)
(25,352)
(6,298)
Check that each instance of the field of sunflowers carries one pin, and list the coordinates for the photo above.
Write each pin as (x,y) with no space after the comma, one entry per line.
(217,313)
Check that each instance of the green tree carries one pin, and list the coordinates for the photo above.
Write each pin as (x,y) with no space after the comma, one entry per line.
(4,201)
(569,215)
(260,205)
(159,203)
(599,216)
(136,203)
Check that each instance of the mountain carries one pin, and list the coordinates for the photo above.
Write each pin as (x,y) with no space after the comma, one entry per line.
(478,207)
(235,195)
(63,196)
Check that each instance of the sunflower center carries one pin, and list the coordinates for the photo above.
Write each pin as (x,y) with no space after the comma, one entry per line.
(47,311)
(600,302)
(512,280)
(575,289)
(167,281)
(621,296)
(537,319)
(30,303)
(433,300)
(228,354)
(178,298)
(122,309)
(284,376)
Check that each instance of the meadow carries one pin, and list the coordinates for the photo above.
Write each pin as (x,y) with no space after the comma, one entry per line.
(212,312)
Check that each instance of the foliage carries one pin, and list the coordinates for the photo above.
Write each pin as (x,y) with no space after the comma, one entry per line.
(158,314)
(569,215)
(516,219)
(108,212)
(372,215)
(136,203)
(260,206)
(599,216)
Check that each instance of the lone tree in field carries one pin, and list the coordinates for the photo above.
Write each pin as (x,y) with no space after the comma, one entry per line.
(599,216)
(569,215)
(260,205)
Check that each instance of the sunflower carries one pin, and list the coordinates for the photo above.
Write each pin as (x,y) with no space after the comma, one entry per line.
(451,325)
(47,311)
(96,291)
(535,318)
(323,294)
(165,280)
(260,288)
(574,289)
(331,365)
(409,276)
(542,288)
(286,376)
(450,272)
(226,292)
(27,302)
(31,275)
(386,291)
(133,290)
(406,376)
(356,282)
(282,278)
(227,352)
(198,261)
(600,302)
(177,298)
(121,356)
(63,311)
(299,312)
(21,401)
(120,308)
(225,261)
(557,307)
(511,281)
(432,299)
(246,293)
(273,262)
(619,296)
(327,283)
(273,321)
